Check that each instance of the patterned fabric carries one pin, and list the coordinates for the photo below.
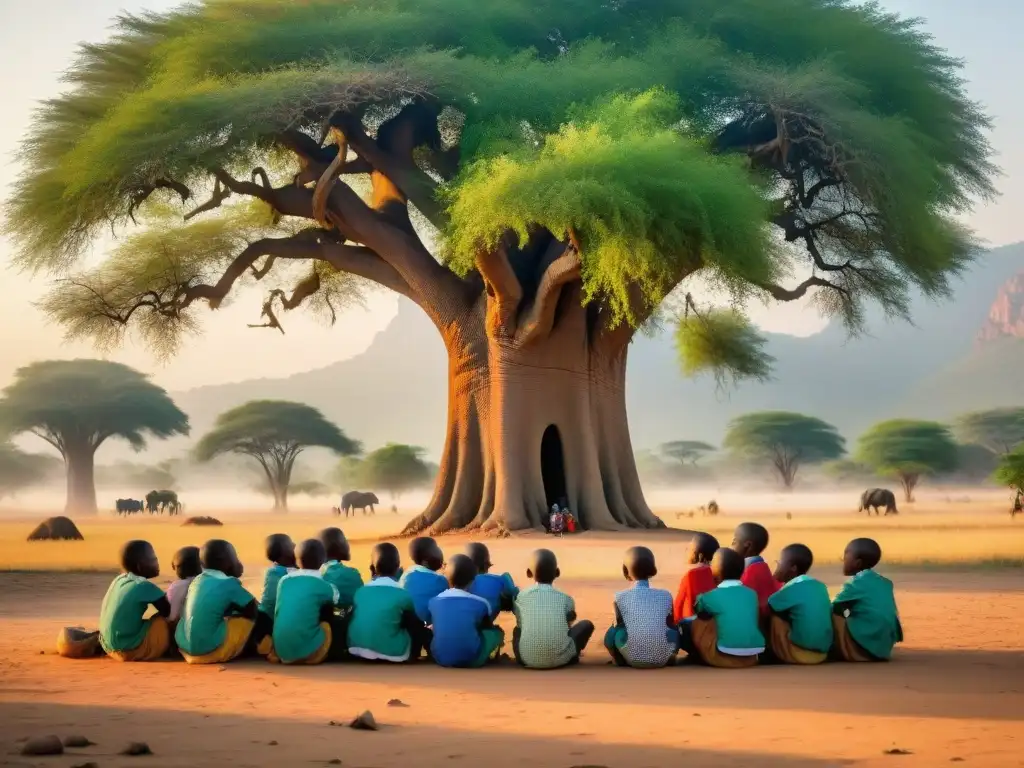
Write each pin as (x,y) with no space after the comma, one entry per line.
(122,627)
(542,618)
(872,619)
(645,614)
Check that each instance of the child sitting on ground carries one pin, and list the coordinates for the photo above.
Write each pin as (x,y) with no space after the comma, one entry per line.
(280,551)
(306,631)
(865,619)
(423,581)
(698,579)
(464,631)
(186,567)
(750,540)
(800,614)
(644,634)
(344,578)
(498,591)
(384,625)
(725,632)
(124,634)
(219,614)
(545,636)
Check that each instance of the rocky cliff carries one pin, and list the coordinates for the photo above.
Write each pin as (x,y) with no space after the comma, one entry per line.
(1006,315)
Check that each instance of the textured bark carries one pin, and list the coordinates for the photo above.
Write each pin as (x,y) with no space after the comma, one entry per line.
(81,485)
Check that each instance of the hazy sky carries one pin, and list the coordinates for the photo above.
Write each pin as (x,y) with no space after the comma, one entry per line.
(36,46)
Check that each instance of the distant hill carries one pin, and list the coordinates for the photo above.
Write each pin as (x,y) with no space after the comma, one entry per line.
(397,389)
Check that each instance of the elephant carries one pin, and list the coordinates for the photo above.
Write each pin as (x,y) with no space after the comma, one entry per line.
(873,498)
(163,501)
(128,506)
(354,500)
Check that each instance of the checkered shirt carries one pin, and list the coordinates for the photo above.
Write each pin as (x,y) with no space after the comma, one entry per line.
(544,641)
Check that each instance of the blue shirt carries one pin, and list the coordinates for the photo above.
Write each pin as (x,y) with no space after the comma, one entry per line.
(457,617)
(422,584)
(492,587)
(645,613)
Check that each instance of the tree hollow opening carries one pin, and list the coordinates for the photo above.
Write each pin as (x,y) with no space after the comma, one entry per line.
(552,466)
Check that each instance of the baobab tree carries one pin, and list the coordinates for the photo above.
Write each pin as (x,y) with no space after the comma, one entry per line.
(539,178)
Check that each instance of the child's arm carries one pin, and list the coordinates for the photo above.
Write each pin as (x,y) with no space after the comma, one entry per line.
(618,617)
(163,606)
(701,611)
(570,615)
(679,604)
(410,622)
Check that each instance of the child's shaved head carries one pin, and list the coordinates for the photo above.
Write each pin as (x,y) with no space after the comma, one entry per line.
(385,560)
(702,548)
(281,549)
(311,554)
(185,562)
(139,557)
(860,555)
(794,560)
(638,564)
(461,572)
(480,555)
(727,565)
(423,550)
(750,539)
(335,544)
(220,555)
(543,566)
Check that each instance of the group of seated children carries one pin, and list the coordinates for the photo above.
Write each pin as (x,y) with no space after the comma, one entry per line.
(730,611)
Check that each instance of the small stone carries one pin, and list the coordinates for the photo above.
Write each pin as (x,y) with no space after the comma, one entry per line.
(77,742)
(696,714)
(897,751)
(365,722)
(334,761)
(42,653)
(86,765)
(397,703)
(43,745)
(137,749)
(956,759)
(271,743)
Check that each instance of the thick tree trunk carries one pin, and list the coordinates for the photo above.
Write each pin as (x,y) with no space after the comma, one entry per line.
(531,424)
(281,499)
(81,495)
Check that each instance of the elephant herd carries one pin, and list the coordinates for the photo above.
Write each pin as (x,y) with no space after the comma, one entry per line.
(156,503)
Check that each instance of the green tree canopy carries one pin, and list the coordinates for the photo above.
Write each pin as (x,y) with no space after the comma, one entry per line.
(908,449)
(273,433)
(749,141)
(395,468)
(1000,430)
(1010,471)
(784,440)
(19,470)
(686,451)
(77,405)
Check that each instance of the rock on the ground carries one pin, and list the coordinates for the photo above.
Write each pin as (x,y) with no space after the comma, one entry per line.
(56,529)
(90,764)
(365,722)
(201,520)
(43,745)
(137,749)
(77,741)
(397,703)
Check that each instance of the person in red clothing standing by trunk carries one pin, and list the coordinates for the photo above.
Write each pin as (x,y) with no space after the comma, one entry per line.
(750,540)
(698,579)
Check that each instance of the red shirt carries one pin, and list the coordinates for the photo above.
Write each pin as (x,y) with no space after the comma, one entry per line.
(695,582)
(759,577)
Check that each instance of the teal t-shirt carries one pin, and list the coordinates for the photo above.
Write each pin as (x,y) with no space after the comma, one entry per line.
(874,622)
(735,609)
(212,595)
(301,595)
(375,630)
(344,578)
(805,604)
(122,627)
(270,581)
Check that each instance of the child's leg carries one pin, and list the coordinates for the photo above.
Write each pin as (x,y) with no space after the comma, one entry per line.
(844,647)
(685,643)
(516,635)
(614,641)
(338,650)
(705,641)
(421,637)
(260,641)
(239,629)
(492,639)
(580,632)
(154,645)
(781,648)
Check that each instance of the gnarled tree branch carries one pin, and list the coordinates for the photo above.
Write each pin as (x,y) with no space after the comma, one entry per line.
(560,266)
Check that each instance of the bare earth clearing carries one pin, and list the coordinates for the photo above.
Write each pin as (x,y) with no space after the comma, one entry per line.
(955,691)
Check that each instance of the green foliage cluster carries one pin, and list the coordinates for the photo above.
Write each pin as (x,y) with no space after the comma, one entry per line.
(395,468)
(604,117)
(907,449)
(1010,471)
(722,342)
(783,440)
(20,470)
(999,430)
(686,451)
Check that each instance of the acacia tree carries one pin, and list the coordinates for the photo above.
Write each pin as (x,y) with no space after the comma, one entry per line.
(395,468)
(274,433)
(77,405)
(538,177)
(784,440)
(20,470)
(907,449)
(686,452)
(1010,472)
(1000,430)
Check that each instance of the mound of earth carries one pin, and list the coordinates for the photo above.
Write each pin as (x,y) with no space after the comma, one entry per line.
(56,529)
(202,520)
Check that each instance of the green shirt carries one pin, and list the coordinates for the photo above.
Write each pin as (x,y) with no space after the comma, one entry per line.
(270,581)
(735,609)
(805,604)
(122,627)
(212,595)
(301,595)
(873,621)
(375,630)
(542,613)
(344,578)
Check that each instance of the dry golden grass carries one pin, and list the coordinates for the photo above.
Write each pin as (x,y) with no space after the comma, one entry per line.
(936,535)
